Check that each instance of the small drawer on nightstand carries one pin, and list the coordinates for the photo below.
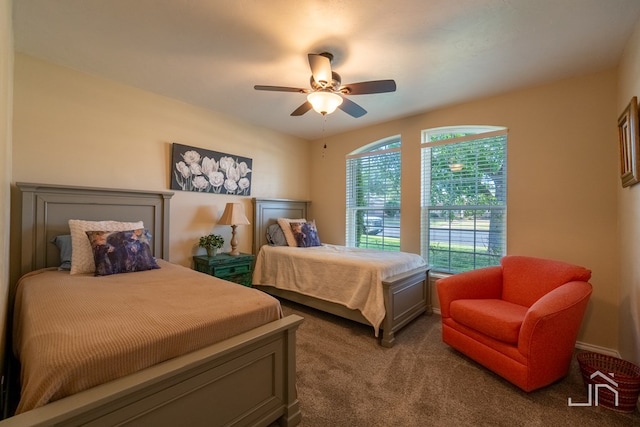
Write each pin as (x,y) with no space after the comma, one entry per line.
(232,269)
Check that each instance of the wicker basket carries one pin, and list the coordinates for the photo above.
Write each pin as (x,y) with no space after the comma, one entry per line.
(625,374)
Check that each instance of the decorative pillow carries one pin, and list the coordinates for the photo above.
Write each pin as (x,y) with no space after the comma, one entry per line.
(121,251)
(63,242)
(275,235)
(81,255)
(306,234)
(286,229)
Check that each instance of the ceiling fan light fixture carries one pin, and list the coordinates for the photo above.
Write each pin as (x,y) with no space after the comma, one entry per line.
(324,102)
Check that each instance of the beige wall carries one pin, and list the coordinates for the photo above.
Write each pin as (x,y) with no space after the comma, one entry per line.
(562,179)
(629,218)
(6,102)
(75,129)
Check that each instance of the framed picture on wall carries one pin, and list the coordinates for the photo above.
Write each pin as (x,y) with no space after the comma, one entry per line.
(206,171)
(629,138)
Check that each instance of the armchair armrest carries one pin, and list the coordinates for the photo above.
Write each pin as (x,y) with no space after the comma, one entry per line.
(482,283)
(552,323)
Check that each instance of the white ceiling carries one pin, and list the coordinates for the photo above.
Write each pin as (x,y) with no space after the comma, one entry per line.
(212,52)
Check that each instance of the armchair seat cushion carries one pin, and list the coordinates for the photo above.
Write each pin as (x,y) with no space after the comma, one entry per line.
(496,318)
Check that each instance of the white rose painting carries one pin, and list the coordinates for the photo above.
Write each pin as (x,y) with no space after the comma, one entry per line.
(206,171)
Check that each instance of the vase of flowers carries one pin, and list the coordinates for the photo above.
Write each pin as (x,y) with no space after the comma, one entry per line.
(211,242)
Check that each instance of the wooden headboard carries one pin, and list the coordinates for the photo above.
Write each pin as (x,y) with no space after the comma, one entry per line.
(46,210)
(267,211)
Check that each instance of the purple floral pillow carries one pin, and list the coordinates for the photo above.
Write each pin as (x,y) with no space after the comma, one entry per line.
(306,234)
(121,251)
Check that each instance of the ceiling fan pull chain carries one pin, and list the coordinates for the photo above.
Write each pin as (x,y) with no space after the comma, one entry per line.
(324,146)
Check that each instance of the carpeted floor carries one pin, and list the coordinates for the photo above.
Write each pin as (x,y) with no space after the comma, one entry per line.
(345,378)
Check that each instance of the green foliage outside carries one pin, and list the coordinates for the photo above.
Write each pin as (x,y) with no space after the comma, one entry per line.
(379,242)
(460,257)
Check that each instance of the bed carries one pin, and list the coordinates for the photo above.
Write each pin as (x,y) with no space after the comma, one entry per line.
(243,377)
(404,295)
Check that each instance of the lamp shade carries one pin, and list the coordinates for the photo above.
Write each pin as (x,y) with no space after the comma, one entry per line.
(324,102)
(233,215)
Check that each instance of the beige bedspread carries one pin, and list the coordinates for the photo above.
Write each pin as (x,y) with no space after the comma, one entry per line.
(75,332)
(351,277)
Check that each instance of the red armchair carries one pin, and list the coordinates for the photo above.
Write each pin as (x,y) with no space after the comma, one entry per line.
(519,319)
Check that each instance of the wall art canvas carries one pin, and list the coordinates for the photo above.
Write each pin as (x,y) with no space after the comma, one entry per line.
(206,171)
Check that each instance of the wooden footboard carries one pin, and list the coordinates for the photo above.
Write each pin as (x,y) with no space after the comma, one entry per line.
(406,296)
(248,379)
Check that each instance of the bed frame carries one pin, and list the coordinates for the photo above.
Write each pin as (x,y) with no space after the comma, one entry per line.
(406,296)
(249,379)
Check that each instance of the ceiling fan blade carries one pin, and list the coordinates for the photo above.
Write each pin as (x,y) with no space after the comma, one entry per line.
(302,109)
(280,89)
(352,108)
(320,68)
(374,86)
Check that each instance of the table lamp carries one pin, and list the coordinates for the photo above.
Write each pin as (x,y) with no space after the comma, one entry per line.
(233,215)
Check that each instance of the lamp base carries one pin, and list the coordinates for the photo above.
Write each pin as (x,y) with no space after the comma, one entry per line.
(234,242)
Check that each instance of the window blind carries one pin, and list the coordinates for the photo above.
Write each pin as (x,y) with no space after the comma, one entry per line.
(464,206)
(373,197)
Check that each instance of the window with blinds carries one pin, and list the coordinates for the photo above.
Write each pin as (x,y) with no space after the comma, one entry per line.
(464,197)
(373,196)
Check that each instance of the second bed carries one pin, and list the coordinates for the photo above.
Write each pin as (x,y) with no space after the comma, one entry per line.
(386,290)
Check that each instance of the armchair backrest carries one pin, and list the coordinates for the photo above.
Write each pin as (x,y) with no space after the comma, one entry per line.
(526,279)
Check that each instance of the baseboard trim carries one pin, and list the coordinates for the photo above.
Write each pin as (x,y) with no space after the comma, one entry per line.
(597,349)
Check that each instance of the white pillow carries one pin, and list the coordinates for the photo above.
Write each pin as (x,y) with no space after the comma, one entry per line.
(82,260)
(284,223)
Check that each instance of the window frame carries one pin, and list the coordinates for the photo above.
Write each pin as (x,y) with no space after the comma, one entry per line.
(460,258)
(357,234)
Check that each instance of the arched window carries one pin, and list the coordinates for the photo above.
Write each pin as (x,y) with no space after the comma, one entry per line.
(373,195)
(464,197)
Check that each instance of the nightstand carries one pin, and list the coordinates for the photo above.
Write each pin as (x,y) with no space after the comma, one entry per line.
(236,268)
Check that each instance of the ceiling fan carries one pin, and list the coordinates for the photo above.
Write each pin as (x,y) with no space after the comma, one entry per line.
(327,92)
